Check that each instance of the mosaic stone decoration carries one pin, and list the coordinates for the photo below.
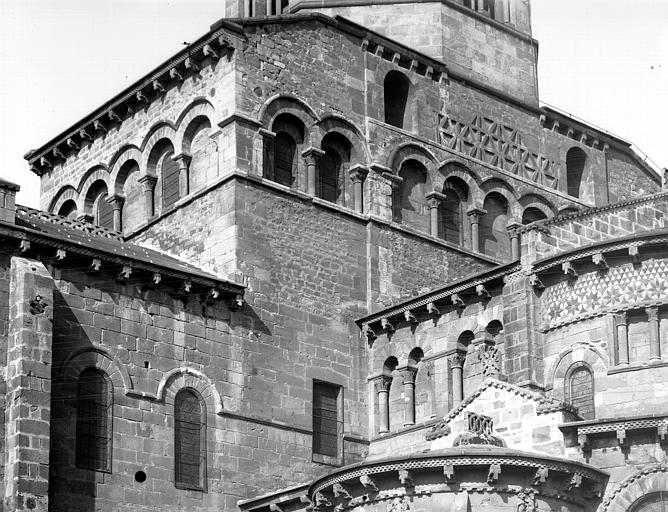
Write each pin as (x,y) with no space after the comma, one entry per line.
(597,293)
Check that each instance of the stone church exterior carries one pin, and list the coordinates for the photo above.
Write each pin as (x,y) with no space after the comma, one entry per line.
(336,256)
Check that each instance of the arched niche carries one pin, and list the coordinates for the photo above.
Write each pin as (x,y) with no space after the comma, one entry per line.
(333,168)
(203,153)
(576,160)
(494,238)
(288,144)
(454,225)
(396,91)
(411,206)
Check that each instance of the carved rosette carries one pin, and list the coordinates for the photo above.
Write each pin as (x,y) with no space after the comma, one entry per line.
(490,359)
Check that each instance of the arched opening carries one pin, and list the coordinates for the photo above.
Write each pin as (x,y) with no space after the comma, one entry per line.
(494,238)
(189,440)
(396,88)
(133,207)
(575,164)
(579,389)
(464,340)
(333,167)
(98,206)
(453,210)
(162,165)
(197,143)
(411,206)
(532,214)
(652,502)
(289,132)
(390,365)
(68,209)
(94,421)
(494,328)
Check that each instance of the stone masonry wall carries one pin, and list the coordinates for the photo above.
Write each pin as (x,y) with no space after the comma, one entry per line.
(257,390)
(4,334)
(571,232)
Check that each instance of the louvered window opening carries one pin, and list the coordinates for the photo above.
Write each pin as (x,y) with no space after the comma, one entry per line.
(330,165)
(580,391)
(94,422)
(285,153)
(189,441)
(170,180)
(105,213)
(325,419)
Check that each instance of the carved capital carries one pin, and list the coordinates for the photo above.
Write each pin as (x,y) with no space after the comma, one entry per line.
(358,173)
(475,214)
(116,201)
(457,359)
(148,182)
(621,319)
(183,160)
(652,313)
(382,383)
(434,199)
(408,375)
(312,155)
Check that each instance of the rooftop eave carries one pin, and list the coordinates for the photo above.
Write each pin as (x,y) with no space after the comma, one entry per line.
(212,45)
(449,295)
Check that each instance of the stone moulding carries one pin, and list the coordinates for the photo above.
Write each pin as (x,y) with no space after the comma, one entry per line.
(589,428)
(466,285)
(563,479)
(627,486)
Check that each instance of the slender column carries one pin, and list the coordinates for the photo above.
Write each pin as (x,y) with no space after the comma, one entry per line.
(434,199)
(358,174)
(514,234)
(621,326)
(268,150)
(475,214)
(654,344)
(183,161)
(116,203)
(456,361)
(408,375)
(382,385)
(148,182)
(311,155)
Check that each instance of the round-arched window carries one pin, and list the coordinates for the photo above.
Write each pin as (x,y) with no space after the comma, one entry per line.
(653,502)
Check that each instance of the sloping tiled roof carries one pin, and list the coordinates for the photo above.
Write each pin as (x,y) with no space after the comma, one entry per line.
(86,239)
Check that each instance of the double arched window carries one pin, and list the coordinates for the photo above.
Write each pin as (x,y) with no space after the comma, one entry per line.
(94,421)
(189,440)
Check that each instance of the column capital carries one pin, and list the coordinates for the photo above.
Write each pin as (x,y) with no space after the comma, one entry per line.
(652,313)
(408,374)
(148,181)
(382,383)
(620,318)
(457,359)
(475,213)
(434,199)
(312,152)
(379,169)
(394,180)
(116,201)
(183,159)
(358,173)
(513,226)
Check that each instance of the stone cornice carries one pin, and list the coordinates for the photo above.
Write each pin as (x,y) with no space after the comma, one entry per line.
(585,429)
(212,45)
(468,284)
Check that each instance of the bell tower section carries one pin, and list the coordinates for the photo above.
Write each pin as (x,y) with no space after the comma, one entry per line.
(485,41)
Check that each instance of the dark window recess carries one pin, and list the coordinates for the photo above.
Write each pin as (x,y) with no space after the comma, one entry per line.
(285,154)
(580,389)
(395,89)
(104,215)
(325,419)
(94,421)
(575,164)
(189,441)
(330,165)
(170,180)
